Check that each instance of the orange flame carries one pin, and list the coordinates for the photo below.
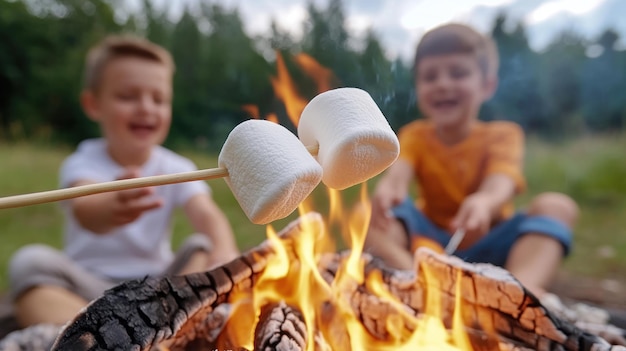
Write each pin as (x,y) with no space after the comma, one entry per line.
(272,117)
(252,110)
(286,90)
(292,275)
(321,75)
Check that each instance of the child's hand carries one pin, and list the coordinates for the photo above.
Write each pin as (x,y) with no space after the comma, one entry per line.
(391,190)
(382,203)
(474,216)
(131,204)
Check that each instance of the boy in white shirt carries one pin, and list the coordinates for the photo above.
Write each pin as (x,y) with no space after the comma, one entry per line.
(116,236)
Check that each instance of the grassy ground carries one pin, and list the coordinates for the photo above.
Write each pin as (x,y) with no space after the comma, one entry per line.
(592,170)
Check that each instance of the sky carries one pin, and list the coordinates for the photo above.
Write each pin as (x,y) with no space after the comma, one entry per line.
(400,23)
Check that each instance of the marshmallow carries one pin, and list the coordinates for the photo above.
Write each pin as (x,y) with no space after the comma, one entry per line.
(355,140)
(270,172)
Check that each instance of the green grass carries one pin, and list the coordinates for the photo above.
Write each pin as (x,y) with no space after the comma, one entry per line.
(592,170)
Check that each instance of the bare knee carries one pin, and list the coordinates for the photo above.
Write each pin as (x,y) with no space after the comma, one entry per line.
(556,205)
(391,245)
(28,262)
(534,260)
(394,235)
(31,260)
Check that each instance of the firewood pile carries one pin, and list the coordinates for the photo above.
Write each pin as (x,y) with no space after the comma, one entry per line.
(197,311)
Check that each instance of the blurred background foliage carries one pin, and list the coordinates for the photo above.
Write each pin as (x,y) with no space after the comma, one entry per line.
(575,86)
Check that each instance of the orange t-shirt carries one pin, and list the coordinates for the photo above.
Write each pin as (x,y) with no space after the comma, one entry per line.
(447,174)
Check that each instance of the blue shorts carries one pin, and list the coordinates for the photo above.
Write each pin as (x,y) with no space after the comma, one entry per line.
(495,246)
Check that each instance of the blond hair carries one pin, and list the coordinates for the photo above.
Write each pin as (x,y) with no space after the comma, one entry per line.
(459,38)
(118,46)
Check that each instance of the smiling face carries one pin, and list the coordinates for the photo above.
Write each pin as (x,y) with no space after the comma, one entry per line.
(450,90)
(132,106)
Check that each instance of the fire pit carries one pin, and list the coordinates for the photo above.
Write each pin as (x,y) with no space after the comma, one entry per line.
(286,294)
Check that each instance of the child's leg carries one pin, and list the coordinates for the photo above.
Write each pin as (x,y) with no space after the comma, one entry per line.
(47,287)
(535,257)
(199,261)
(391,245)
(396,243)
(194,255)
(47,304)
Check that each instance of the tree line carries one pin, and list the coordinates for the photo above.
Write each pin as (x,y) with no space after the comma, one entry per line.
(576,85)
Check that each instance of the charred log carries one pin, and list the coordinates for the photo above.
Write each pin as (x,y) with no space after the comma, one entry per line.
(280,327)
(140,314)
(492,299)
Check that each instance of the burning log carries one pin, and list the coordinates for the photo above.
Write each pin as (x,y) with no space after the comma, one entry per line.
(496,311)
(280,327)
(492,300)
(140,314)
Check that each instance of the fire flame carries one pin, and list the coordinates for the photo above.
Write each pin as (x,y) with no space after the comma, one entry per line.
(292,274)
(286,89)
(322,76)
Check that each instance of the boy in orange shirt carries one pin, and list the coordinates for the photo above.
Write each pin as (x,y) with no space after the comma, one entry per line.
(467,172)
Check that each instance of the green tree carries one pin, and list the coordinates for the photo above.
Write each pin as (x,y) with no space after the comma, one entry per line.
(157,26)
(186,50)
(281,40)
(517,97)
(403,103)
(228,73)
(17,27)
(604,85)
(378,76)
(375,68)
(327,40)
(220,68)
(560,67)
(58,34)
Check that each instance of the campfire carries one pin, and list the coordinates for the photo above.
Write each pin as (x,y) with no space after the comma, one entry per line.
(289,293)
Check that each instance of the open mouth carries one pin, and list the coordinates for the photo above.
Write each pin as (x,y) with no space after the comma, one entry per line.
(446,104)
(142,128)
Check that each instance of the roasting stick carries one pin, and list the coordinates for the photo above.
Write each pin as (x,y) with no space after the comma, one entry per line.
(97,188)
(454,242)
(116,185)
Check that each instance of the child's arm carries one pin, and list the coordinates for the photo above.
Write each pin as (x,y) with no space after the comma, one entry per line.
(101,213)
(478,210)
(390,191)
(206,217)
(504,179)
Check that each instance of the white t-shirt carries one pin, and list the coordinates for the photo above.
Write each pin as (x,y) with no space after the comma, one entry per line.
(142,247)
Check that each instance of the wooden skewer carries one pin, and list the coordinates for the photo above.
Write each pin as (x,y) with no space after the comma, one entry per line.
(123,184)
(97,188)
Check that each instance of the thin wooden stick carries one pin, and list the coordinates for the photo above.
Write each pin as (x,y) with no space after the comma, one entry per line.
(97,188)
(123,184)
